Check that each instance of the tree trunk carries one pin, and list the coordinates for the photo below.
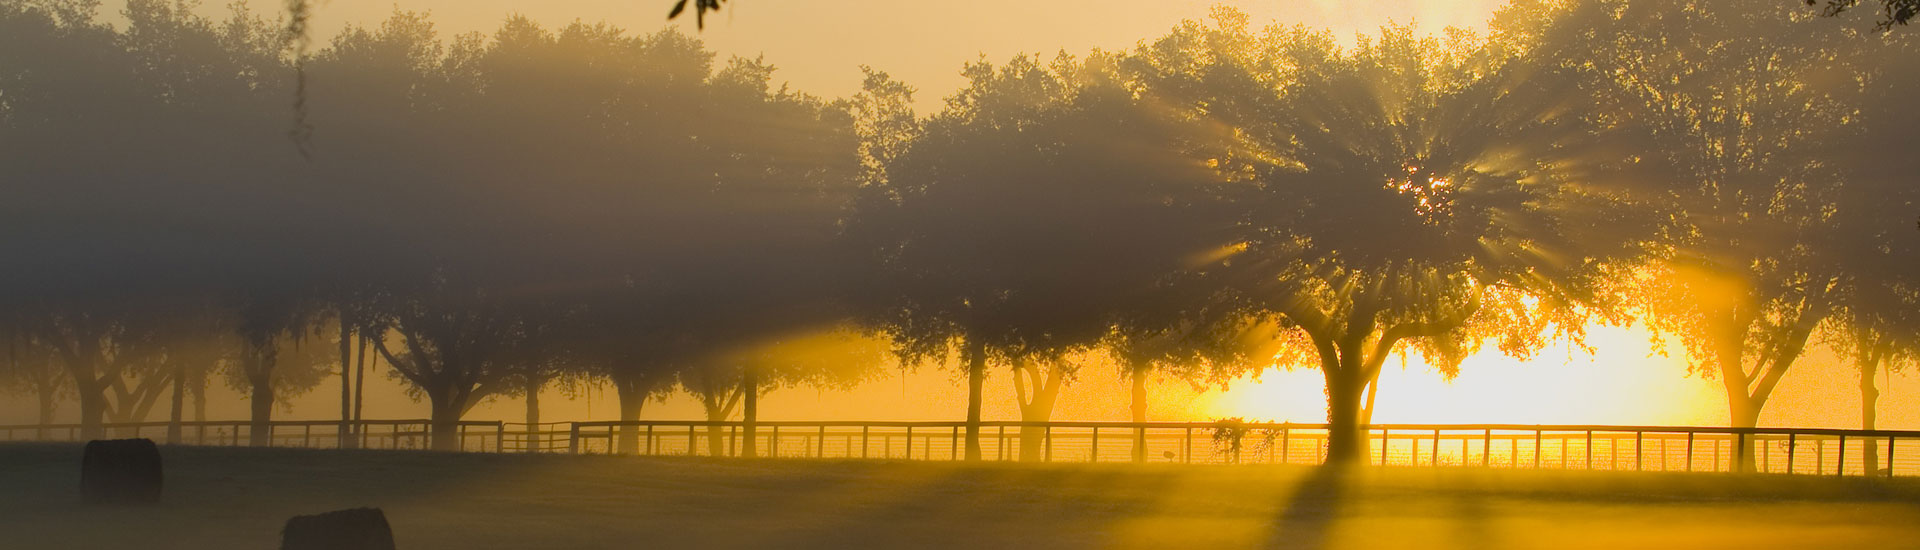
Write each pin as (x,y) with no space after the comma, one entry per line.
(1346,434)
(360,387)
(93,409)
(1373,390)
(716,434)
(346,384)
(1037,406)
(259,366)
(445,421)
(976,380)
(199,390)
(534,439)
(1869,397)
(1033,439)
(632,397)
(178,406)
(749,414)
(47,407)
(1140,412)
(1743,412)
(260,427)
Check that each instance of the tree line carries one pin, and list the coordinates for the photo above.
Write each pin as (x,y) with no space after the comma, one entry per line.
(491,214)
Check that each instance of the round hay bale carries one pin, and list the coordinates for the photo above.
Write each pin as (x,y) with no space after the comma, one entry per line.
(352,529)
(120,471)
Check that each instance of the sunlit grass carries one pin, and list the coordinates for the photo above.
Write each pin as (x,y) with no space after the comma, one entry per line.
(238,498)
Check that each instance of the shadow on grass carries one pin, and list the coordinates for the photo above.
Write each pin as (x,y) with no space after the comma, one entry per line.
(991,506)
(1309,513)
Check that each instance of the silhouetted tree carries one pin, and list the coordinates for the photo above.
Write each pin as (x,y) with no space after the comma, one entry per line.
(1743,107)
(1016,224)
(1418,193)
(31,368)
(455,343)
(1876,327)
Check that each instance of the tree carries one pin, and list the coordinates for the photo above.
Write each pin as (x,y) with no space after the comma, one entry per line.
(1743,123)
(192,356)
(110,356)
(731,379)
(31,368)
(543,359)
(1418,194)
(1876,328)
(1011,226)
(278,358)
(1199,347)
(455,346)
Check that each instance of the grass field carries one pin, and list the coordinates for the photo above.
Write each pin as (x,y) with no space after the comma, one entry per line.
(238,498)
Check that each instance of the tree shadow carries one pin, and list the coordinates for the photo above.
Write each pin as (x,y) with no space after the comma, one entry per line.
(1471,521)
(1307,517)
(1024,508)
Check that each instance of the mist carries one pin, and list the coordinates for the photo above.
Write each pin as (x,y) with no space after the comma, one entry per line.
(196,215)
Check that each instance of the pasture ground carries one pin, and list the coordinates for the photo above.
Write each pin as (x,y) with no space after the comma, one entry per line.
(220,498)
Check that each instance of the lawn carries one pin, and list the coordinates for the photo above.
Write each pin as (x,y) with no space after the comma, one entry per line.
(239,498)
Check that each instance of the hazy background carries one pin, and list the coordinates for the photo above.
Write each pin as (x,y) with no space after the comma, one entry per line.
(820,44)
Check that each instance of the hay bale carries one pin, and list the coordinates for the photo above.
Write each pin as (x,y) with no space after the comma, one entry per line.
(120,471)
(353,529)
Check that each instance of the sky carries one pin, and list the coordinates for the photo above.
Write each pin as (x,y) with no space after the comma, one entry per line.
(820,45)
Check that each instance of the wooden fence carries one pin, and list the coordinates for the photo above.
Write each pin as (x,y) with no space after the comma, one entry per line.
(1811,451)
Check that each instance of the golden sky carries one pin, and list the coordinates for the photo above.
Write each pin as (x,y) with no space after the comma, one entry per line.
(819,45)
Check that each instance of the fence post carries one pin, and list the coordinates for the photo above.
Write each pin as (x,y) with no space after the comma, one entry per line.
(909,450)
(1639,458)
(500,435)
(863,441)
(1047,433)
(1095,452)
(1186,449)
(1435,459)
(823,441)
(573,438)
(649,440)
(1840,462)
(1536,449)
(953,445)
(773,447)
(1383,446)
(1286,444)
(1002,449)
(1486,448)
(1792,445)
(1689,451)
(690,442)
(1890,456)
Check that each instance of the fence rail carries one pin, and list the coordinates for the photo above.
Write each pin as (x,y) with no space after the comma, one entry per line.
(1811,451)
(474,435)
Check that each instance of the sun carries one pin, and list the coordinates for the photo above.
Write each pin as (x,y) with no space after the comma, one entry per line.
(1620,383)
